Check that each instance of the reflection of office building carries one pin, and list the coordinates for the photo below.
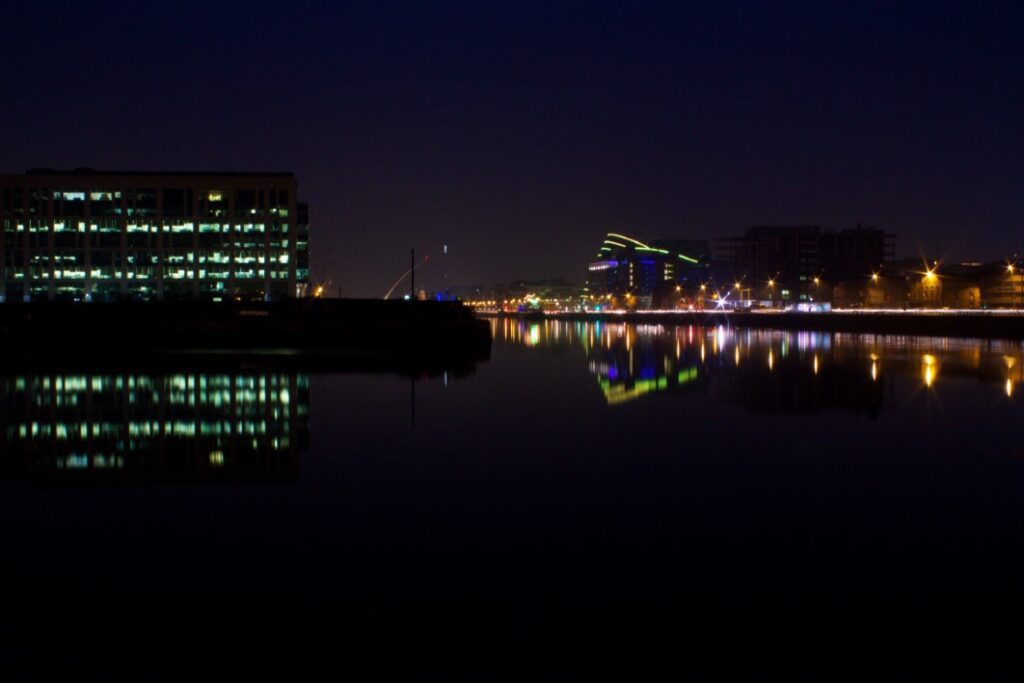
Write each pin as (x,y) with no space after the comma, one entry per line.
(94,236)
(189,426)
(800,383)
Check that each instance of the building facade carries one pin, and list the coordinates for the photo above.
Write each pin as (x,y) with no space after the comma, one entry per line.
(644,274)
(789,264)
(88,235)
(771,262)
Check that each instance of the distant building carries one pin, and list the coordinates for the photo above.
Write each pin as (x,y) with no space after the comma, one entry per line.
(641,274)
(1002,285)
(784,264)
(88,235)
(859,252)
(930,284)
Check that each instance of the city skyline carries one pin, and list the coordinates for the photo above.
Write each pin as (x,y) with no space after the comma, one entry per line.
(516,135)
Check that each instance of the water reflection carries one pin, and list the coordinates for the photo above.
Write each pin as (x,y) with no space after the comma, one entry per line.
(772,371)
(112,426)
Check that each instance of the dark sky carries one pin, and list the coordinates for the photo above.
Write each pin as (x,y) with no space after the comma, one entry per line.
(518,134)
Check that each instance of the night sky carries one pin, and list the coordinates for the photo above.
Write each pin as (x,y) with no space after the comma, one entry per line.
(519,134)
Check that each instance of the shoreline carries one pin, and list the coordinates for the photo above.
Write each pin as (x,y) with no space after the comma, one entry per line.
(983,324)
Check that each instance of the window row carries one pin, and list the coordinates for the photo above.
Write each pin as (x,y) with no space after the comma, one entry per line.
(145,202)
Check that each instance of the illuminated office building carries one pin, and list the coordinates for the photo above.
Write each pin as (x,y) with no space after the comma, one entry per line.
(89,235)
(627,266)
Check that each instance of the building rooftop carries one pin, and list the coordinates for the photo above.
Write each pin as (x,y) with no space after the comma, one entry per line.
(93,171)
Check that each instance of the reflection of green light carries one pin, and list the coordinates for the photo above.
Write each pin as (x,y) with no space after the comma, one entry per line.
(534,337)
(620,393)
(686,375)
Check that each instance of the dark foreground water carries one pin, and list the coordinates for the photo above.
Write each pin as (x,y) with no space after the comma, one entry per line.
(591,496)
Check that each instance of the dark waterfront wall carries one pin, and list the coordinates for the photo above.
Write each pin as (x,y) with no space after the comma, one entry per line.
(320,325)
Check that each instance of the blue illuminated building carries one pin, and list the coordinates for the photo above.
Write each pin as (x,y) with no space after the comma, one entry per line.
(647,274)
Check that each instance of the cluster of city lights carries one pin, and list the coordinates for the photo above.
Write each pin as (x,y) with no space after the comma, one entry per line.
(759,296)
(621,358)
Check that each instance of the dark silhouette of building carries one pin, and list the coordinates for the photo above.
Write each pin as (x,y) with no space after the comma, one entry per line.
(800,263)
(861,251)
(784,263)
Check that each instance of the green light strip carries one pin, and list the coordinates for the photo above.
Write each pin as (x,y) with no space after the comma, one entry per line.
(628,239)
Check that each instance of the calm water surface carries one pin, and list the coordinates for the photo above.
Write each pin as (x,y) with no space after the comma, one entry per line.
(692,492)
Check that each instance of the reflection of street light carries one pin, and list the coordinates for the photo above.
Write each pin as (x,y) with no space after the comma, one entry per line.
(1010,270)
(930,369)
